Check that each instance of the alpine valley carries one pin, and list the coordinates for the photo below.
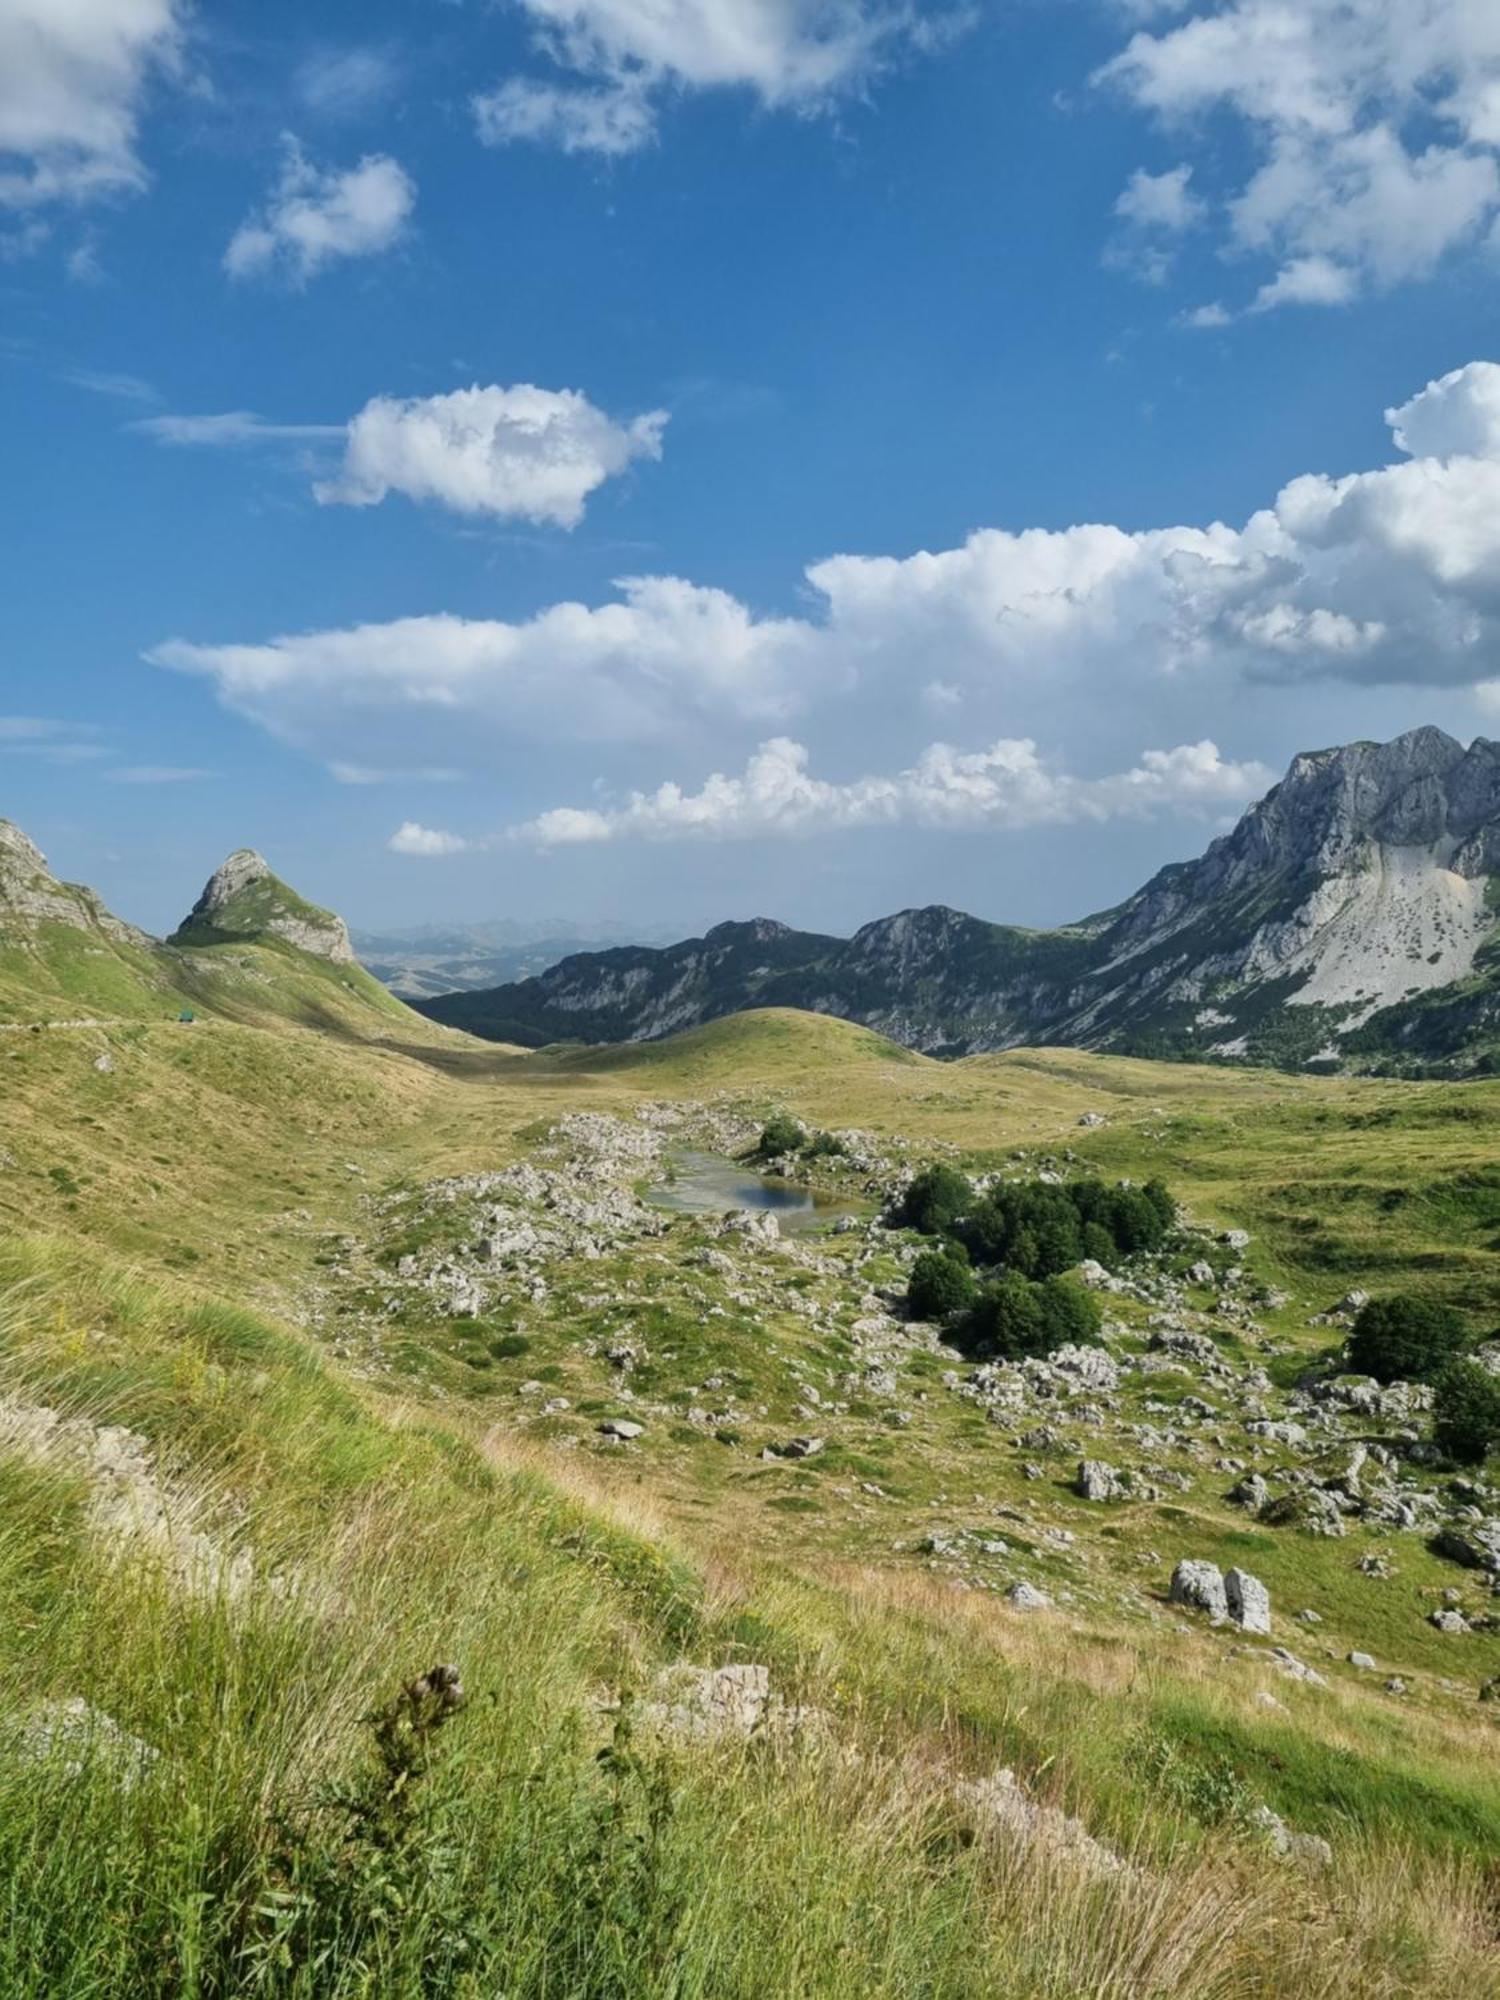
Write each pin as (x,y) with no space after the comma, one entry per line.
(1348,921)
(761,1512)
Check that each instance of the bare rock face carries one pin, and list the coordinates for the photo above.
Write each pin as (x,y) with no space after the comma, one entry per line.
(244,900)
(30,894)
(1358,885)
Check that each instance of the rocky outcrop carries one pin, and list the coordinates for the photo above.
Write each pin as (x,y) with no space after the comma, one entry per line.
(244,901)
(31,895)
(1332,921)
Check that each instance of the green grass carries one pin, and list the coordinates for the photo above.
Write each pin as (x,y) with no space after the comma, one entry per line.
(245,1858)
(397,1510)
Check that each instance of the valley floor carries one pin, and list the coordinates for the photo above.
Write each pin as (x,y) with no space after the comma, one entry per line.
(735,1721)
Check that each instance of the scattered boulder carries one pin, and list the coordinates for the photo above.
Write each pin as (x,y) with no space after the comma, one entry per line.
(1098,1481)
(1251,1492)
(802,1447)
(1249,1601)
(1200,1586)
(621,1429)
(999,1804)
(709,1701)
(1448,1620)
(1291,1846)
(1364,1661)
(1026,1597)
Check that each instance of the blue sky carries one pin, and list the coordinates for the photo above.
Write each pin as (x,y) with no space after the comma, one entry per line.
(900,360)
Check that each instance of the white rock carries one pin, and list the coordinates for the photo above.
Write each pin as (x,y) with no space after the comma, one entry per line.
(1200,1585)
(1249,1601)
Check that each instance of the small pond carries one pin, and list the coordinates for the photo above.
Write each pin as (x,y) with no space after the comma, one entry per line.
(707,1184)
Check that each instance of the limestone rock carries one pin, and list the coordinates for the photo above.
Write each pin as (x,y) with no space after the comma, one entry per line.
(1200,1586)
(1249,1601)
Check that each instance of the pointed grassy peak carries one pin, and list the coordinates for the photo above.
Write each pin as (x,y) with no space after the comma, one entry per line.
(244,902)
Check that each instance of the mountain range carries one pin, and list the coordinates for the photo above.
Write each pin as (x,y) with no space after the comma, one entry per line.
(432,959)
(1350,918)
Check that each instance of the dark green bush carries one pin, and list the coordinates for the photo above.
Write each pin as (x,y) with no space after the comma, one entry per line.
(1466,1412)
(1008,1320)
(781,1134)
(1071,1312)
(935,1201)
(941,1284)
(825,1146)
(1402,1339)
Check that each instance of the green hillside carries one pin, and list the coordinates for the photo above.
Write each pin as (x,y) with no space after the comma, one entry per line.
(340,1301)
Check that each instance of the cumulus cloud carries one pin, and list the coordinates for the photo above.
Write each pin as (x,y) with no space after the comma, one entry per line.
(797,54)
(1006,786)
(315,216)
(630,670)
(73,74)
(1389,576)
(1374,126)
(521,453)
(424,841)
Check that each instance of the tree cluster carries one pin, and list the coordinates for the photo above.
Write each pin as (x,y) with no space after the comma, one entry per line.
(1028,1235)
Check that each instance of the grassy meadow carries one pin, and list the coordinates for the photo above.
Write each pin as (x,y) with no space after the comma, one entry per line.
(264,1814)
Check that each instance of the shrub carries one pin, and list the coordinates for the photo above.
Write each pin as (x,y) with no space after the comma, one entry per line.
(941,1284)
(1070,1312)
(825,1146)
(935,1200)
(1041,1229)
(1466,1412)
(1007,1319)
(1099,1245)
(781,1134)
(1402,1339)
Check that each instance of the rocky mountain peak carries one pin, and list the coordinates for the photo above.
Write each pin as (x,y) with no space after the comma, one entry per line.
(30,894)
(243,900)
(19,856)
(242,869)
(752,930)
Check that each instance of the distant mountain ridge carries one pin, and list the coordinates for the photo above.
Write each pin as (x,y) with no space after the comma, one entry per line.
(1349,918)
(430,959)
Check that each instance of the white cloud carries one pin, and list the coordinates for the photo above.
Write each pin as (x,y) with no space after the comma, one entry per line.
(1006,786)
(226,427)
(315,216)
(1389,576)
(1160,201)
(73,74)
(122,388)
(424,841)
(1375,126)
(637,668)
(610,118)
(50,740)
(520,453)
(344,773)
(1306,281)
(797,54)
(1458,416)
